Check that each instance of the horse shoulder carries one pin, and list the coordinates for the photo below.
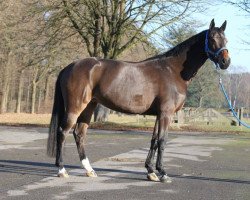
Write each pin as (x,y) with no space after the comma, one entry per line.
(172,94)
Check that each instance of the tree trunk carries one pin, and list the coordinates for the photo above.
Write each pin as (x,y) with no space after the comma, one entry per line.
(19,92)
(34,90)
(33,97)
(46,91)
(27,101)
(39,100)
(3,99)
(5,85)
(200,102)
(5,94)
(101,113)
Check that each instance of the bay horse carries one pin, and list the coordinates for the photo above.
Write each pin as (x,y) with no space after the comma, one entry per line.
(155,86)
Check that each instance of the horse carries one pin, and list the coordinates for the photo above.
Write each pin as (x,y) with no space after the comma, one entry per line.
(155,86)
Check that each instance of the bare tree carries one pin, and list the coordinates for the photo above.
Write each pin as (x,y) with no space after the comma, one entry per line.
(237,86)
(9,47)
(242,4)
(109,27)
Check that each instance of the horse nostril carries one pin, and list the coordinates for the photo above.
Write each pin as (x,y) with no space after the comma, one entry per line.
(223,61)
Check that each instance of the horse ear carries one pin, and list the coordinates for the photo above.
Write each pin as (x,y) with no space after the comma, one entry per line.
(212,25)
(223,26)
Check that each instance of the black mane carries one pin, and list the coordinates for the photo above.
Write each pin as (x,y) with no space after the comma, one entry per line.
(178,49)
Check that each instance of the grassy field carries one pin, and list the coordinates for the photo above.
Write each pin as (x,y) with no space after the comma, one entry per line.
(124,122)
(25,119)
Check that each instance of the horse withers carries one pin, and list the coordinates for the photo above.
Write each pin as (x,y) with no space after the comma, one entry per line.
(156,86)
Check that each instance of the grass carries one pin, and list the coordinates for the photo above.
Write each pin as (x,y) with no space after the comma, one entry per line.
(124,122)
(25,119)
(217,128)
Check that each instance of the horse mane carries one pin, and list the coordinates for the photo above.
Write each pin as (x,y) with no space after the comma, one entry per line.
(178,49)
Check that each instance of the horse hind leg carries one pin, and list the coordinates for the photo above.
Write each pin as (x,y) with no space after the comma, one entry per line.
(80,132)
(63,131)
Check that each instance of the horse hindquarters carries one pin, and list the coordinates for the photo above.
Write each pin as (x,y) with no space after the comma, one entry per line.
(72,97)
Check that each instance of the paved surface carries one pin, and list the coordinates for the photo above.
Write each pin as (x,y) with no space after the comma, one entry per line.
(202,167)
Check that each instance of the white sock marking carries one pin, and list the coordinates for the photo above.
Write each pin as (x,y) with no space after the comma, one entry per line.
(86,165)
(62,171)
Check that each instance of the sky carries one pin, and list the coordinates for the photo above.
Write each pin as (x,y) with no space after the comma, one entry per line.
(237,30)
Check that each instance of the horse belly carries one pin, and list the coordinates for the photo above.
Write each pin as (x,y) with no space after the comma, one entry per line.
(129,92)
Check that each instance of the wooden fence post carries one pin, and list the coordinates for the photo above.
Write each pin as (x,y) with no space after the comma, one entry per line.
(241,110)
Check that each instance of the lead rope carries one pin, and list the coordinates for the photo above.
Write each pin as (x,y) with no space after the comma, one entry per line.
(228,101)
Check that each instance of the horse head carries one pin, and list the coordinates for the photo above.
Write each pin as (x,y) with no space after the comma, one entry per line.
(215,45)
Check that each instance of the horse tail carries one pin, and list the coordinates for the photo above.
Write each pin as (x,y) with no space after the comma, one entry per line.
(56,118)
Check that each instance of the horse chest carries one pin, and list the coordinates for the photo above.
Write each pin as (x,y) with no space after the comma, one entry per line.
(180,100)
(173,97)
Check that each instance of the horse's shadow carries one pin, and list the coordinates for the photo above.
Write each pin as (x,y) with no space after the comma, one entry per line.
(48,170)
(30,167)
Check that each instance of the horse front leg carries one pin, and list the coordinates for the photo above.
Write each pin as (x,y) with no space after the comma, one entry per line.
(151,154)
(164,121)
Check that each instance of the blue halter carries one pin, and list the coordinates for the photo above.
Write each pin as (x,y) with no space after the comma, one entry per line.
(209,52)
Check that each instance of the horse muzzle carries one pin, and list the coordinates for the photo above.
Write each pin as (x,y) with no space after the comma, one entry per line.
(224,59)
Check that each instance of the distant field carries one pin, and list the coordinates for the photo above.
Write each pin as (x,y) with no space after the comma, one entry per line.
(25,119)
(123,122)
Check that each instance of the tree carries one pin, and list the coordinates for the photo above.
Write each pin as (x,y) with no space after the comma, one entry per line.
(237,87)
(178,33)
(9,46)
(22,55)
(109,27)
(242,4)
(204,89)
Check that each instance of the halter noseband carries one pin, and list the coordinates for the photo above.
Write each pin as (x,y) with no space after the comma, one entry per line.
(209,52)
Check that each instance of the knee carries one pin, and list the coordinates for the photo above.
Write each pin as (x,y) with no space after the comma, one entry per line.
(60,137)
(69,120)
(154,143)
(161,144)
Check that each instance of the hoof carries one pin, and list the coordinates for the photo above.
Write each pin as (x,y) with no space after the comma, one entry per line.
(91,174)
(63,175)
(166,179)
(153,177)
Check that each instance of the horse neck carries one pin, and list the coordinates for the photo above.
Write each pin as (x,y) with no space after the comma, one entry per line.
(194,57)
(187,58)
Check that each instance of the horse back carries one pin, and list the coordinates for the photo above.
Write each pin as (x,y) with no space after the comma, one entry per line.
(122,86)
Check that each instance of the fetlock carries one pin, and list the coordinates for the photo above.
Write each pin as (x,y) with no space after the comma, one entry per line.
(149,168)
(161,170)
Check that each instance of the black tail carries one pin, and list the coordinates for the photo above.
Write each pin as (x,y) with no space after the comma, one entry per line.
(56,118)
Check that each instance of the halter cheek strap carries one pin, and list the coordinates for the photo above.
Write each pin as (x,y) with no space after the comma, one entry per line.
(209,52)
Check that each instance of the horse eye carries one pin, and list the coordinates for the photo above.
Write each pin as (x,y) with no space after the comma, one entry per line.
(212,35)
(212,40)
